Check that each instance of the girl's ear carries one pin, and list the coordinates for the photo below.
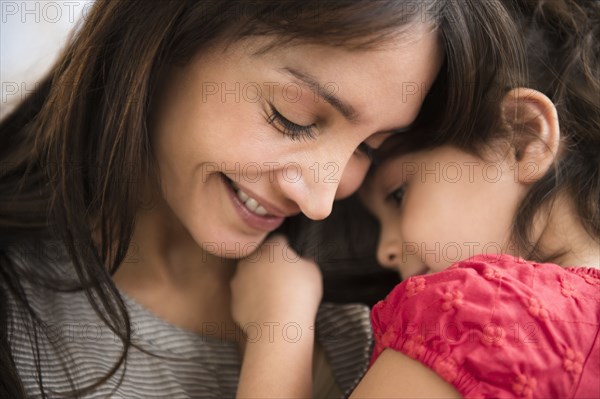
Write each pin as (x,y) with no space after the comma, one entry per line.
(534,121)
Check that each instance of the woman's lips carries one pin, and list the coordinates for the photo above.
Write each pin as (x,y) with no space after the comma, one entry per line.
(268,222)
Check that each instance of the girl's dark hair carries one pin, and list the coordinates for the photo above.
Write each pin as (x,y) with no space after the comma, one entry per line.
(563,57)
(73,153)
(561,42)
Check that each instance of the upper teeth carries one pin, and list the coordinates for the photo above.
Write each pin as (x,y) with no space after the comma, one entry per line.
(251,203)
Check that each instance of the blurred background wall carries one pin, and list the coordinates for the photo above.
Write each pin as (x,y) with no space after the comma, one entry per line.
(32,33)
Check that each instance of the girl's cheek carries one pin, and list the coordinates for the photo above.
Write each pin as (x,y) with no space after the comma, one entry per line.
(413,219)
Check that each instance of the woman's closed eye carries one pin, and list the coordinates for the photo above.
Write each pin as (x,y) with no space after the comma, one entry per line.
(397,195)
(289,128)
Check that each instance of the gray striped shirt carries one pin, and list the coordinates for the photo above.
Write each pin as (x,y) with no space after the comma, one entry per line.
(192,365)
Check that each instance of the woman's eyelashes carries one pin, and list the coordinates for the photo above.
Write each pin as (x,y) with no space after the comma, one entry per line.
(397,195)
(297,132)
(289,128)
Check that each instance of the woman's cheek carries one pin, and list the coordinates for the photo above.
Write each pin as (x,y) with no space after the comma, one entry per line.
(352,177)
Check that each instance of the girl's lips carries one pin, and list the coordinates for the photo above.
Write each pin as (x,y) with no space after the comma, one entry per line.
(263,223)
(424,270)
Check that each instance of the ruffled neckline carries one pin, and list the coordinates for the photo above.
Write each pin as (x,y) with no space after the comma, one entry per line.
(590,274)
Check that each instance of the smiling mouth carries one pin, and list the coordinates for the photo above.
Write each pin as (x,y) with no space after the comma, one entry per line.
(251,204)
(250,210)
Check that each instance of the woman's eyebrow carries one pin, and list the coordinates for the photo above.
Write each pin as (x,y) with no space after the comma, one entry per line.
(320,90)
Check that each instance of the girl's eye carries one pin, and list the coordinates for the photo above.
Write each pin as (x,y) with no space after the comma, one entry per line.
(289,128)
(397,195)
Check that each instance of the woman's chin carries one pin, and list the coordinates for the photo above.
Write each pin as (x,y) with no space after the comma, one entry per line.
(231,245)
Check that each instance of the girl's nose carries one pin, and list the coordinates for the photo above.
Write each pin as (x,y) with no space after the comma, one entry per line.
(389,254)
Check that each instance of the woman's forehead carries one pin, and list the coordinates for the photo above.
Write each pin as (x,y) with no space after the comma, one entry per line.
(380,83)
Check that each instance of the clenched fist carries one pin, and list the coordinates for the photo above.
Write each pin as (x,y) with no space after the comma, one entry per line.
(275,285)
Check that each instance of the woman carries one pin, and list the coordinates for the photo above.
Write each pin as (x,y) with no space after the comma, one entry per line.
(169,140)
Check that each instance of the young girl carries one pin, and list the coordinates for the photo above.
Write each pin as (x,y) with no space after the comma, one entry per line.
(167,142)
(520,202)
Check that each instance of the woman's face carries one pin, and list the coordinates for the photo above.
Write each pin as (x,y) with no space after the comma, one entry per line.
(245,138)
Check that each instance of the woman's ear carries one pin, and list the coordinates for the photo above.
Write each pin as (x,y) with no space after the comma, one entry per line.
(534,121)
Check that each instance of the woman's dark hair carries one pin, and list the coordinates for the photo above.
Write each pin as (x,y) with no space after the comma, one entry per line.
(561,42)
(73,153)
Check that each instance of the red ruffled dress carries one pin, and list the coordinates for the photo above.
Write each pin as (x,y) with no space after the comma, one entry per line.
(499,327)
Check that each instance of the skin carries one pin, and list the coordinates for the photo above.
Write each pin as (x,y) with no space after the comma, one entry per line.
(395,375)
(434,206)
(278,361)
(432,220)
(186,247)
(198,136)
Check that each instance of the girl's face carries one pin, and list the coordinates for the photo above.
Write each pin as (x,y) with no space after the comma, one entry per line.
(441,206)
(245,138)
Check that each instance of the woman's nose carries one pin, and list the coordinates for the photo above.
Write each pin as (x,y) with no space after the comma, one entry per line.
(311,187)
(358,165)
(353,176)
(329,174)
(315,200)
